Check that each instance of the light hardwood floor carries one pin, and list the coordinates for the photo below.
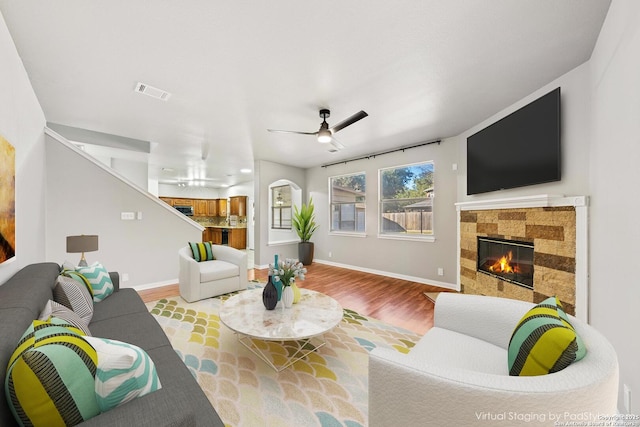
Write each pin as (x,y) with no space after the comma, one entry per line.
(395,301)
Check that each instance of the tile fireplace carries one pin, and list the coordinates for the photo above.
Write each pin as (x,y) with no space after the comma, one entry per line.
(525,248)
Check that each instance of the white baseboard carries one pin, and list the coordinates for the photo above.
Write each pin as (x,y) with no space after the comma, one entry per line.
(422,280)
(151,285)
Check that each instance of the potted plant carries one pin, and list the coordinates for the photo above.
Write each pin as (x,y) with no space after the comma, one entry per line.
(305,224)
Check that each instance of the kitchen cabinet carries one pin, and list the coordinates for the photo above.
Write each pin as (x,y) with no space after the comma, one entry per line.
(182,202)
(222,207)
(238,205)
(212,207)
(238,238)
(167,200)
(200,207)
(213,235)
(216,235)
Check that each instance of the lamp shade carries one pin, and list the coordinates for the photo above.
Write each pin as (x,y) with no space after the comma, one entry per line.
(83,243)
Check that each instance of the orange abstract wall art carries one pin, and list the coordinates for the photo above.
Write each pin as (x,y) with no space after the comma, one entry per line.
(7,200)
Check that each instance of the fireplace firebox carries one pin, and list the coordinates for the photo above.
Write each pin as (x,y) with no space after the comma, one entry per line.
(508,260)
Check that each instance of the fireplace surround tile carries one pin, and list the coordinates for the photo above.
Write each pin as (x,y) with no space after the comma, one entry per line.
(553,233)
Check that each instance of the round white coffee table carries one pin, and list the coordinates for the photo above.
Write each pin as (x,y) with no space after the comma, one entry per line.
(304,323)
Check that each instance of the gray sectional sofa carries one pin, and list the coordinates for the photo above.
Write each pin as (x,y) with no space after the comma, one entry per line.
(124,317)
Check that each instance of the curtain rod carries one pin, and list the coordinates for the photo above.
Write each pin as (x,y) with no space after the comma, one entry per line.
(374,155)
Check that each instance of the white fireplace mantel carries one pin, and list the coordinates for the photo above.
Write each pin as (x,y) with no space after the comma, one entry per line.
(580,203)
(538,201)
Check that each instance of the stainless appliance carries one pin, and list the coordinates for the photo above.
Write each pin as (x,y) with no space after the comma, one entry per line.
(184,209)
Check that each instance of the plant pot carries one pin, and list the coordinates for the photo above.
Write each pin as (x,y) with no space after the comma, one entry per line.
(305,252)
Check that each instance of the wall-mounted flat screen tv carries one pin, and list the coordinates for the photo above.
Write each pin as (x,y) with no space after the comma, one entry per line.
(521,149)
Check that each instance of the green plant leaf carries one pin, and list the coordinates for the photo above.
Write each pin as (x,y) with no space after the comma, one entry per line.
(304,221)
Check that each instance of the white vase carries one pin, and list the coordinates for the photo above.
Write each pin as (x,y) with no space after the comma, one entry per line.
(287,297)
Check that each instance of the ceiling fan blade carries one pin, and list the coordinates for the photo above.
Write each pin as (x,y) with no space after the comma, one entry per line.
(351,120)
(292,131)
(335,144)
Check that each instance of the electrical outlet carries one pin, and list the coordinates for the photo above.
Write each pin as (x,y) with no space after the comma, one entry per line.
(627,399)
(330,254)
(139,215)
(125,277)
(440,271)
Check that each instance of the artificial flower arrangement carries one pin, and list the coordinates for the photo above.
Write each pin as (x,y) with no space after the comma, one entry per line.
(287,271)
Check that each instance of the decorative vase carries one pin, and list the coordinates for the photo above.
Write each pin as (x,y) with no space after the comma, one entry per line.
(270,295)
(305,252)
(278,286)
(287,297)
(296,292)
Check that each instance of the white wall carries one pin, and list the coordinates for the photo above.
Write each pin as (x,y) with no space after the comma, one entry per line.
(413,260)
(85,197)
(615,177)
(166,190)
(21,123)
(575,138)
(136,172)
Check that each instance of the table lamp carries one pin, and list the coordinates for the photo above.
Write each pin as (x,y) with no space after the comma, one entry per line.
(82,244)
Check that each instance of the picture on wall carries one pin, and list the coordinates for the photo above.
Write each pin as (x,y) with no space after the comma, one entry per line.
(7,200)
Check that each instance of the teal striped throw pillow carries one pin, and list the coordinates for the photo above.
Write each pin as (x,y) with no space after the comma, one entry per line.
(201,251)
(99,279)
(50,376)
(544,341)
(124,372)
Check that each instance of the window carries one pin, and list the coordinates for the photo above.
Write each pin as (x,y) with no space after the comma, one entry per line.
(406,200)
(348,202)
(281,207)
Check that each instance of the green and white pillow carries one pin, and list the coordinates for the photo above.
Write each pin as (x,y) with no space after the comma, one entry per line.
(53,310)
(75,295)
(99,279)
(50,377)
(544,341)
(124,372)
(201,251)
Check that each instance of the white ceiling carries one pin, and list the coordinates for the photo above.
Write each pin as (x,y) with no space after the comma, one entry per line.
(421,69)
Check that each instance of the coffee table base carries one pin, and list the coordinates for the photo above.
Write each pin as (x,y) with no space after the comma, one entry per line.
(305,347)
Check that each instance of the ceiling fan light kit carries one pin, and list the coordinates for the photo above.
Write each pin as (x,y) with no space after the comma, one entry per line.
(325,133)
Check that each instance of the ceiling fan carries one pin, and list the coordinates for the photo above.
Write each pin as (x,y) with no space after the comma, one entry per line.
(325,133)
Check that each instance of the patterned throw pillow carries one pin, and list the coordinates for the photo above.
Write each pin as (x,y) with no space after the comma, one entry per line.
(202,251)
(50,377)
(54,310)
(544,341)
(125,372)
(74,295)
(99,280)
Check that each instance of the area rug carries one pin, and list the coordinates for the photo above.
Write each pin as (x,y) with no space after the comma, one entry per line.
(328,388)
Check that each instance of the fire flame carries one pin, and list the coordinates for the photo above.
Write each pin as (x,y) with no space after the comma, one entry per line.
(503,265)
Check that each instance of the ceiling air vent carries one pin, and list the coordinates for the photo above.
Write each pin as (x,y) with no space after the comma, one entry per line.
(152,91)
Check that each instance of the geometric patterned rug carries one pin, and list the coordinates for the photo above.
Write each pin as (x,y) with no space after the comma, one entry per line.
(327,388)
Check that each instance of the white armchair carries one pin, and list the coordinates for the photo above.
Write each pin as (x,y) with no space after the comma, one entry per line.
(200,280)
(457,374)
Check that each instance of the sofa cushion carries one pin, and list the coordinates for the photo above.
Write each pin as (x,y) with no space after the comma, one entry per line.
(50,377)
(453,351)
(100,281)
(544,341)
(124,373)
(216,270)
(75,296)
(54,310)
(201,251)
